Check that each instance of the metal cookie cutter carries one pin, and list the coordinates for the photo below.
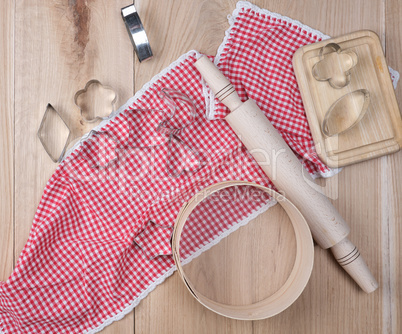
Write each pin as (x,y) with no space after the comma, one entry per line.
(346,112)
(335,65)
(96,101)
(54,134)
(137,33)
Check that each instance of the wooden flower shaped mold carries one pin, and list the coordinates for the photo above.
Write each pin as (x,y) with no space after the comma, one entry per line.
(334,65)
(95,101)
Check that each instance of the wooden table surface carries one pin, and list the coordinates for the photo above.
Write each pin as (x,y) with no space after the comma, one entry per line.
(50,49)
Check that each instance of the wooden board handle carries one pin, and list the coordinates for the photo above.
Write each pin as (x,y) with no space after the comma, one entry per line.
(281,165)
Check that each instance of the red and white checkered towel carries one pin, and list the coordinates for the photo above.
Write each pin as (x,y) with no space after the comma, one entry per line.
(99,241)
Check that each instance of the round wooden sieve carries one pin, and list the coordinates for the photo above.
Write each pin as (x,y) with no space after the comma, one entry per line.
(287,293)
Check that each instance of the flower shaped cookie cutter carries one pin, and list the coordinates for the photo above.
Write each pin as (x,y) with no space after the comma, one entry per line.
(96,101)
(334,65)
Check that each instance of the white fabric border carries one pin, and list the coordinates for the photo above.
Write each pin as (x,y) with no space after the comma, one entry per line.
(394,76)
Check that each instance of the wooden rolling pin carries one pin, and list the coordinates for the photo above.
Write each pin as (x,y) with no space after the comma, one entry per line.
(285,170)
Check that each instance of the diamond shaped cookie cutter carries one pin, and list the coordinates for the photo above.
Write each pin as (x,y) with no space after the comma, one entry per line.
(54,134)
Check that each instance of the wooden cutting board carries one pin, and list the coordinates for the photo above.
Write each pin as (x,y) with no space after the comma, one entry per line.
(380,131)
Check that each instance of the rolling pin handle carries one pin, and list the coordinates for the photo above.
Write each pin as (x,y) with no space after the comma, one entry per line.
(219,84)
(348,256)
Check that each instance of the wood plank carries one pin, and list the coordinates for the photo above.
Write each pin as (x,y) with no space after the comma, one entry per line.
(170,308)
(59,53)
(176,26)
(331,301)
(60,46)
(6,137)
(392,194)
(173,28)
